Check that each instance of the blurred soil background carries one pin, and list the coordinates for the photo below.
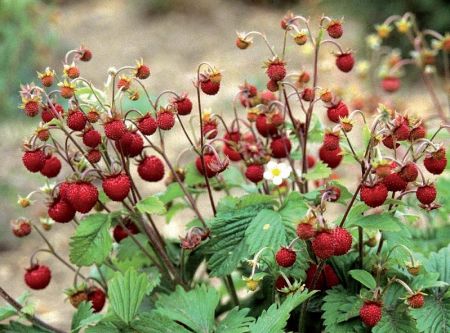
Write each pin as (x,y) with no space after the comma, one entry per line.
(172,36)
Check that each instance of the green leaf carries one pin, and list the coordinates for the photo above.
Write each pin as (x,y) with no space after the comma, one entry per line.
(320,171)
(265,230)
(396,320)
(126,292)
(274,319)
(8,311)
(84,311)
(233,177)
(151,205)
(154,322)
(92,241)
(385,222)
(194,309)
(172,192)
(16,327)
(236,321)
(193,177)
(341,311)
(364,277)
(294,208)
(434,316)
(439,262)
(174,209)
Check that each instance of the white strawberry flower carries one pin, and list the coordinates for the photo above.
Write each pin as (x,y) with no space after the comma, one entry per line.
(276,172)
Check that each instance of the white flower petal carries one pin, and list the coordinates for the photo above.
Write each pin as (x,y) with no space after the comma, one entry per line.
(286,171)
(271,165)
(268,175)
(277,180)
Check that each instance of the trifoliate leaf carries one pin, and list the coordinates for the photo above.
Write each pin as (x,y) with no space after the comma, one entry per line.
(92,242)
(385,222)
(236,321)
(396,320)
(434,316)
(265,230)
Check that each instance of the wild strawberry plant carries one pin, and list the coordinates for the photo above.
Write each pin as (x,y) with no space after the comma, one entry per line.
(283,237)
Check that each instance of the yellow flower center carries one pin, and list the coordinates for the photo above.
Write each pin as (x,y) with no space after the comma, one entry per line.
(276,172)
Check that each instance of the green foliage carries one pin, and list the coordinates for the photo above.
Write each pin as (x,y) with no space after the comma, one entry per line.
(320,171)
(434,316)
(396,320)
(385,222)
(92,242)
(83,317)
(236,321)
(364,277)
(126,292)
(151,205)
(16,327)
(273,320)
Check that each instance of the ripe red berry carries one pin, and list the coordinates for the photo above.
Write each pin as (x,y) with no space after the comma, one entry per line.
(120,233)
(232,153)
(416,301)
(114,129)
(308,94)
(276,70)
(34,160)
(435,162)
(72,72)
(401,131)
(345,61)
(265,126)
(331,278)
(142,72)
(280,283)
(151,169)
(426,194)
(31,108)
(311,277)
(285,257)
(335,29)
(374,195)
(331,141)
(280,147)
(388,141)
(124,83)
(82,196)
(272,85)
(97,298)
(92,138)
(48,113)
(117,187)
(311,161)
(343,241)
(165,120)
(183,105)
(305,231)
(209,129)
(147,124)
(21,227)
(417,132)
(371,313)
(52,166)
(323,244)
(85,54)
(76,120)
(37,276)
(409,172)
(254,173)
(390,83)
(208,159)
(94,156)
(61,211)
(209,87)
(130,144)
(337,111)
(332,158)
(92,116)
(394,182)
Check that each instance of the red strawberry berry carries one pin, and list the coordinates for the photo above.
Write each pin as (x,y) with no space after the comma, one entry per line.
(61,211)
(120,233)
(21,227)
(37,276)
(435,162)
(142,72)
(265,127)
(394,182)
(117,186)
(426,194)
(48,113)
(337,111)
(276,70)
(343,241)
(94,156)
(72,72)
(254,173)
(31,108)
(76,120)
(82,196)
(345,61)
(311,276)
(232,153)
(85,54)
(209,129)
(331,141)
(401,132)
(183,105)
(335,29)
(147,124)
(390,84)
(208,159)
(311,161)
(151,169)
(305,231)
(409,172)
(281,283)
(92,138)
(416,301)
(34,160)
(285,257)
(52,166)
(114,129)
(332,158)
(388,141)
(308,94)
(272,86)
(371,313)
(280,147)
(324,245)
(331,278)
(209,87)
(165,120)
(97,298)
(130,144)
(418,132)
(374,195)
